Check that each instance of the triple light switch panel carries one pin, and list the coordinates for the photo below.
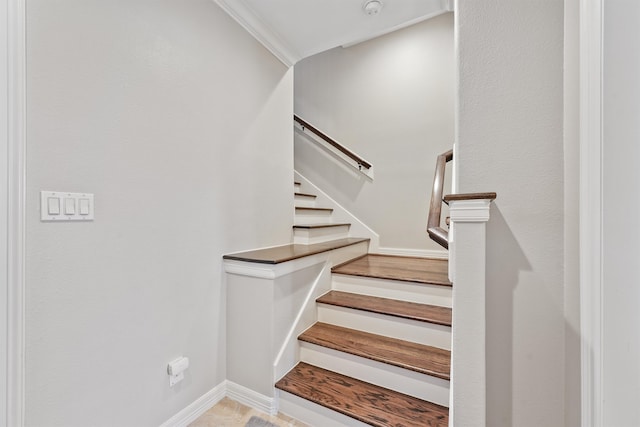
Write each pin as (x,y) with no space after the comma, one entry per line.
(64,206)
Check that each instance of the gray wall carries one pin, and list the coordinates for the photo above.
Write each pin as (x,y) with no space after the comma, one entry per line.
(391,100)
(511,141)
(180,123)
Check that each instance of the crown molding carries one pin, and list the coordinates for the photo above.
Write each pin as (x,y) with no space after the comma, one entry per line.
(244,16)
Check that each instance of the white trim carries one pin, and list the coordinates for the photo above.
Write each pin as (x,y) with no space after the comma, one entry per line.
(467,248)
(251,398)
(419,253)
(16,165)
(197,408)
(449,5)
(248,269)
(591,36)
(261,32)
(308,305)
(271,271)
(476,210)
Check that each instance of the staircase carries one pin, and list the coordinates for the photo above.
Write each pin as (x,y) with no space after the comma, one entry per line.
(379,353)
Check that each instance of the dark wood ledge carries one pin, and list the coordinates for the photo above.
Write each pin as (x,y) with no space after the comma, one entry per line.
(280,254)
(303,208)
(315,226)
(469,196)
(305,195)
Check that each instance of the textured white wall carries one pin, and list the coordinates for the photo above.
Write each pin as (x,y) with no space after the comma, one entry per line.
(180,124)
(391,100)
(621,214)
(511,141)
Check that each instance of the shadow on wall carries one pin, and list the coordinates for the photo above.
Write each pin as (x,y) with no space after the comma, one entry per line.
(505,262)
(343,182)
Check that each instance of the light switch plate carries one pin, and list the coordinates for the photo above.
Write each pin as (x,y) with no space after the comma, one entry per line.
(53,206)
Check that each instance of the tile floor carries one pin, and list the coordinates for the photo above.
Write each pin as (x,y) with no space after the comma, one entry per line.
(229,413)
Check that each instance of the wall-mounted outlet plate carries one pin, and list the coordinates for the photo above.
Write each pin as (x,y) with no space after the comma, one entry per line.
(65,206)
(174,379)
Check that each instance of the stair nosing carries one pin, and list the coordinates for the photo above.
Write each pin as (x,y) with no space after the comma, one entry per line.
(323,300)
(305,195)
(370,418)
(364,269)
(305,337)
(303,208)
(373,276)
(312,226)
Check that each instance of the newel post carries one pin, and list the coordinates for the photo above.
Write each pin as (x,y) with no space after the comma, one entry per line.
(467,259)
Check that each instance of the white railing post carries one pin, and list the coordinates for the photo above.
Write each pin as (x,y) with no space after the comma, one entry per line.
(467,259)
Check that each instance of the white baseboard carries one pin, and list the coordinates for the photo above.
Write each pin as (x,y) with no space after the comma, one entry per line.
(251,398)
(421,253)
(197,408)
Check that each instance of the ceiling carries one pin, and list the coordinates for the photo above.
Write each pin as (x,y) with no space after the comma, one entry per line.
(296,29)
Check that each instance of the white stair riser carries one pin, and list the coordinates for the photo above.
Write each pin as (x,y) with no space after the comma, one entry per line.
(313,414)
(296,188)
(394,289)
(305,202)
(310,236)
(402,380)
(390,326)
(312,217)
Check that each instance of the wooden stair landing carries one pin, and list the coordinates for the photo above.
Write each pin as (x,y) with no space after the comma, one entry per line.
(391,307)
(365,402)
(416,357)
(411,269)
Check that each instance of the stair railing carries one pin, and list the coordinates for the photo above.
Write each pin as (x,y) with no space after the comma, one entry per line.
(334,147)
(437,233)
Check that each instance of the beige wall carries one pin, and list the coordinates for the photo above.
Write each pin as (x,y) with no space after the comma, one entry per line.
(391,100)
(180,124)
(511,141)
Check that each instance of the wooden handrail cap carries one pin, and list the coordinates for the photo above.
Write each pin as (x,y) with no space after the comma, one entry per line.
(469,196)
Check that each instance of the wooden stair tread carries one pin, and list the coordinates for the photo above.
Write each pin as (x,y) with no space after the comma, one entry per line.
(404,354)
(313,226)
(411,269)
(365,402)
(296,183)
(302,208)
(280,254)
(405,309)
(305,195)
